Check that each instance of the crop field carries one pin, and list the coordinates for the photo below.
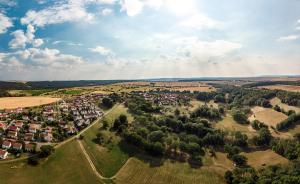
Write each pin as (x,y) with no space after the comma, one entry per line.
(266,115)
(36,92)
(258,159)
(141,172)
(66,165)
(277,101)
(282,87)
(15,102)
(108,160)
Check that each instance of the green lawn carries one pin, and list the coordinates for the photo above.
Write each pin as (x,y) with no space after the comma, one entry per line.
(66,165)
(108,160)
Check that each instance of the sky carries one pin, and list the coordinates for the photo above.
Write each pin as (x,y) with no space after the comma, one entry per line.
(138,39)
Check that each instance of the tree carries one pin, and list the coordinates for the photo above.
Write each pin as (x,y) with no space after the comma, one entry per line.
(239,160)
(228,177)
(156,136)
(240,117)
(264,137)
(240,139)
(33,160)
(107,103)
(46,150)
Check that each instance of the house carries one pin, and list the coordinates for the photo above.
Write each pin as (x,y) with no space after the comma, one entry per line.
(12,134)
(3,154)
(19,124)
(6,144)
(29,147)
(2,126)
(47,137)
(29,137)
(13,128)
(34,127)
(17,146)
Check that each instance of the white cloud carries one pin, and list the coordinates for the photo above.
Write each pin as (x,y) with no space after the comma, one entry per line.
(101,50)
(5,23)
(132,7)
(288,38)
(8,2)
(21,39)
(71,11)
(298,28)
(200,21)
(106,11)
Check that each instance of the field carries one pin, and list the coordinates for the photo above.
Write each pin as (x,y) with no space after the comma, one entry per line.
(35,92)
(108,160)
(66,165)
(140,172)
(15,102)
(277,101)
(258,159)
(228,124)
(282,87)
(266,115)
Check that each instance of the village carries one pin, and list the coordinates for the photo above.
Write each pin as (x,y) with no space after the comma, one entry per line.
(23,130)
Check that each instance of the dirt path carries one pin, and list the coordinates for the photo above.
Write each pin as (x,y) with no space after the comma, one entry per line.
(94,167)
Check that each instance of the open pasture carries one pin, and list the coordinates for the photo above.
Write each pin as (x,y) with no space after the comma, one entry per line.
(258,159)
(16,102)
(141,172)
(267,115)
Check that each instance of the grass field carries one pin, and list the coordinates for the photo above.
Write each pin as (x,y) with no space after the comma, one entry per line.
(267,115)
(286,107)
(15,102)
(36,92)
(282,87)
(258,159)
(67,165)
(228,124)
(141,172)
(108,160)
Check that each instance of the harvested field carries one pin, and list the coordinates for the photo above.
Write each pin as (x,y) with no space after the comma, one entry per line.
(15,102)
(282,87)
(286,107)
(258,159)
(266,115)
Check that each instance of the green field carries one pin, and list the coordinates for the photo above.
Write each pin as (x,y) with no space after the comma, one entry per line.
(66,165)
(141,172)
(108,160)
(36,92)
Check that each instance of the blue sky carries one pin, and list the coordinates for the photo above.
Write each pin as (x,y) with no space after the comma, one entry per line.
(130,39)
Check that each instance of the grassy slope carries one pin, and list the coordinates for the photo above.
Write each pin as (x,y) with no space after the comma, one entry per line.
(140,172)
(107,161)
(66,165)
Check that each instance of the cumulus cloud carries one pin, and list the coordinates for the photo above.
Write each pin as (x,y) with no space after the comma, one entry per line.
(132,7)
(200,21)
(106,11)
(21,38)
(5,23)
(63,12)
(288,38)
(8,2)
(101,50)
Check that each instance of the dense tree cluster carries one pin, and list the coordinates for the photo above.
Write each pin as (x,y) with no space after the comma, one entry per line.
(206,112)
(276,174)
(4,93)
(257,125)
(287,148)
(292,120)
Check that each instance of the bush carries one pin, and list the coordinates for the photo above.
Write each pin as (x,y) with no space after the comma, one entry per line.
(46,150)
(240,117)
(34,160)
(107,103)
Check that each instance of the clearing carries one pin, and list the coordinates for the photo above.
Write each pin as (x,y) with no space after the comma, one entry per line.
(258,159)
(16,102)
(267,115)
(286,107)
(141,172)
